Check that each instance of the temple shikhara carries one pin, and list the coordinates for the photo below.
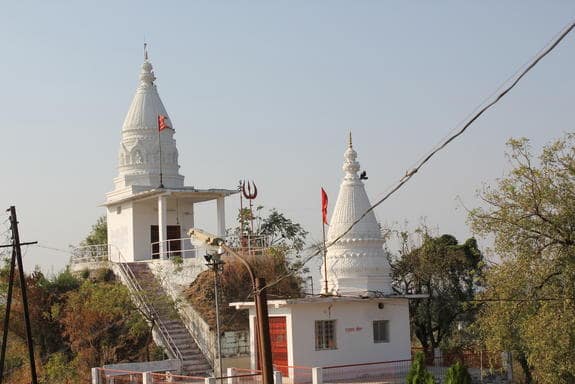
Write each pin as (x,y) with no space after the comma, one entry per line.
(356,262)
(358,319)
(150,208)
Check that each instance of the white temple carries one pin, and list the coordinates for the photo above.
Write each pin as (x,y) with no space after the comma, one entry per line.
(359,319)
(150,209)
(357,263)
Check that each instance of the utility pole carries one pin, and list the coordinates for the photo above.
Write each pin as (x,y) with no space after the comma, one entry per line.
(17,257)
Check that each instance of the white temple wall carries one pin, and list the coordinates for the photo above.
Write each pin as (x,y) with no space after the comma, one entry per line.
(354,332)
(120,231)
(145,215)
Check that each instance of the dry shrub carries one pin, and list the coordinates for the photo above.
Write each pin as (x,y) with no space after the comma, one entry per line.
(235,285)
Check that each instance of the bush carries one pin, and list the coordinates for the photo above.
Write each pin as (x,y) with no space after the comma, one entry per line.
(417,373)
(457,374)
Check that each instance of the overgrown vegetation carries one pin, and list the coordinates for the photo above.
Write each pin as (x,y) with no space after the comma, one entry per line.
(76,324)
(283,240)
(457,374)
(446,271)
(418,374)
(529,304)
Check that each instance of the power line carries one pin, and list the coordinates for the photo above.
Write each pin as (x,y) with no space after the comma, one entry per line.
(410,173)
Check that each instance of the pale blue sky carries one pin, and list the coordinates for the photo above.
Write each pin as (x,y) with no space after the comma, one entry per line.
(267,90)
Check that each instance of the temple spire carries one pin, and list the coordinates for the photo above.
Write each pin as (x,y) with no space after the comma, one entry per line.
(139,157)
(357,263)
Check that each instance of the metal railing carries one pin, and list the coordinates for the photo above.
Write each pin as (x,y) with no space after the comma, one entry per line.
(90,254)
(173,248)
(390,371)
(136,289)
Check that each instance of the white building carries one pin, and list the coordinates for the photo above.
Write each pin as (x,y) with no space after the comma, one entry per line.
(150,208)
(359,319)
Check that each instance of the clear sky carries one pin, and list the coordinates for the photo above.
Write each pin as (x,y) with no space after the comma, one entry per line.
(267,90)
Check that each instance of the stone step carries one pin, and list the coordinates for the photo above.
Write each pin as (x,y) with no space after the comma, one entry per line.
(194,362)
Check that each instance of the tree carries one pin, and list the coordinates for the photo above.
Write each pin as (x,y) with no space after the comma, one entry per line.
(457,374)
(98,234)
(417,373)
(102,325)
(273,251)
(530,296)
(446,271)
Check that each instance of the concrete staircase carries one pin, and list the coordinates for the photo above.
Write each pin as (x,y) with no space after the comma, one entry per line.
(173,330)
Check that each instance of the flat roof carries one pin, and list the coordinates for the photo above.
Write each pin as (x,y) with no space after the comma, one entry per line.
(198,195)
(326,299)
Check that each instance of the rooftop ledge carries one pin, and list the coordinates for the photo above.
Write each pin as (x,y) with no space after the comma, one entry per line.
(326,299)
(198,195)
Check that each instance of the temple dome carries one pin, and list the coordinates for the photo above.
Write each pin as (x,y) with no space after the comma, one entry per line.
(139,155)
(357,263)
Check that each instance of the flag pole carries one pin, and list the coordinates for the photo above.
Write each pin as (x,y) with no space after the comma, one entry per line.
(324,257)
(160,146)
(323,223)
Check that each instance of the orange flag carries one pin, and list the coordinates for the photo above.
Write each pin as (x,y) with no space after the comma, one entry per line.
(324,206)
(163,122)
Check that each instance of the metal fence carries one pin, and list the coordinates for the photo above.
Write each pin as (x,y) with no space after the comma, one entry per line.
(162,378)
(116,376)
(294,374)
(241,376)
(389,372)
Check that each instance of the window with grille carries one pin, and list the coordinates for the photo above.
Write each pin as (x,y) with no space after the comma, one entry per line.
(325,334)
(381,331)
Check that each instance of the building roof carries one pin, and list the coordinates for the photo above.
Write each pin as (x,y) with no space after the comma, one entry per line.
(313,300)
(190,193)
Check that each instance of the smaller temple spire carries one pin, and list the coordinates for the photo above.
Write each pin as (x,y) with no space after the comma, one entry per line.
(147,76)
(350,164)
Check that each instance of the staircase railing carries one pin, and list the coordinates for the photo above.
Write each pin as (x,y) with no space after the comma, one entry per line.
(136,289)
(98,253)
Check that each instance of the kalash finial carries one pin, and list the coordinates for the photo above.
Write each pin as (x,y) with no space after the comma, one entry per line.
(350,164)
(145,51)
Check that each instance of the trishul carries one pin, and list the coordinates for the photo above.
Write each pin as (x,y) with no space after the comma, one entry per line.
(249,194)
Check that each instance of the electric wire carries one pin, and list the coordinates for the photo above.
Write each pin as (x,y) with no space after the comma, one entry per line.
(412,171)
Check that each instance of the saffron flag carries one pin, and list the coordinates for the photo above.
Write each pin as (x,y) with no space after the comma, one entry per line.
(163,122)
(324,206)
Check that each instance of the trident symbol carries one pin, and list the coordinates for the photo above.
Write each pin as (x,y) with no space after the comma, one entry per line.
(247,192)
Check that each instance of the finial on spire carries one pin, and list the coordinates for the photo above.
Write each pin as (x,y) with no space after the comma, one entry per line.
(146,51)
(350,142)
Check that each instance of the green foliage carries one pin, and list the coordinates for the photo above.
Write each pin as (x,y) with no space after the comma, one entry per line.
(457,374)
(178,262)
(98,234)
(445,270)
(530,215)
(418,374)
(60,370)
(75,326)
(272,250)
(102,325)
(103,275)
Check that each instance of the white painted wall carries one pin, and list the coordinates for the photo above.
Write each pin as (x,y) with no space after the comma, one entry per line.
(145,215)
(120,231)
(354,331)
